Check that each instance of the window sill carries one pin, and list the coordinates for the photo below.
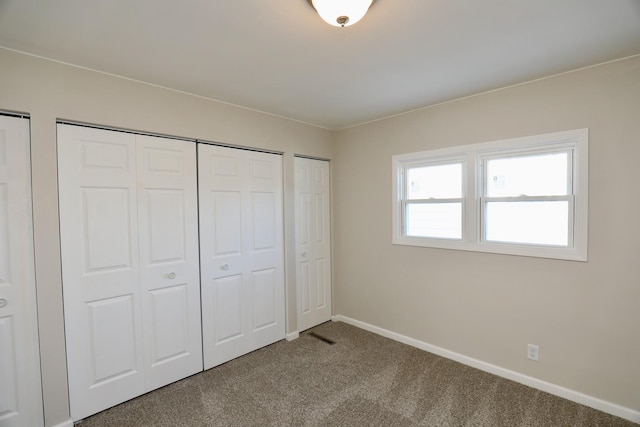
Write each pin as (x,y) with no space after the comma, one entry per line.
(567,254)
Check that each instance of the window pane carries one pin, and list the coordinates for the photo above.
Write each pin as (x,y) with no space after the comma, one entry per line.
(437,182)
(538,175)
(541,223)
(439,220)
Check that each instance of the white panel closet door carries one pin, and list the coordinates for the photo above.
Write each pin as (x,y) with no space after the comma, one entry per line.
(130,265)
(241,251)
(313,242)
(20,387)
(100,267)
(169,264)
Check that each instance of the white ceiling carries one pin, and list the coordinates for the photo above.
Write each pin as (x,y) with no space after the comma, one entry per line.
(279,57)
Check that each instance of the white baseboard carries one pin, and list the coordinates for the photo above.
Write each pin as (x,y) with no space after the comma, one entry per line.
(67,423)
(575,396)
(292,336)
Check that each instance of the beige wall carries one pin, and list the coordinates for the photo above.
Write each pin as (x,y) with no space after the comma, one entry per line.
(50,91)
(584,316)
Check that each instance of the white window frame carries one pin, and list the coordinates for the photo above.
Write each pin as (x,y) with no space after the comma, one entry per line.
(473,158)
(436,162)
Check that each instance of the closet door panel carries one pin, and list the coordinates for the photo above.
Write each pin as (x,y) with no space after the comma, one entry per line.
(169,268)
(313,242)
(264,243)
(20,385)
(221,254)
(99,240)
(241,251)
(128,209)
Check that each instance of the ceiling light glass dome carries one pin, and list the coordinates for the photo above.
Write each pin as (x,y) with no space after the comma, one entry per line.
(341,13)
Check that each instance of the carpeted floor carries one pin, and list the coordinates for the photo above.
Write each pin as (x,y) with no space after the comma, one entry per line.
(361,380)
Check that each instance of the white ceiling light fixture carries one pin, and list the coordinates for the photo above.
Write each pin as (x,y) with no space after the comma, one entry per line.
(341,13)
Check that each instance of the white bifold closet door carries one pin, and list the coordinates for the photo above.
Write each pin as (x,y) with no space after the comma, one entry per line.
(241,251)
(129,240)
(313,242)
(20,386)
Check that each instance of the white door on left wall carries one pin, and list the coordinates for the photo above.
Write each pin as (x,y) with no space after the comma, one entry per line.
(20,386)
(130,270)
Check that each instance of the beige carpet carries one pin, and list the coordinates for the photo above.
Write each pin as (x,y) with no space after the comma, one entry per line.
(361,380)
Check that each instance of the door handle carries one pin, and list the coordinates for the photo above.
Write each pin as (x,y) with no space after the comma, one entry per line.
(225,267)
(304,254)
(3,302)
(171,275)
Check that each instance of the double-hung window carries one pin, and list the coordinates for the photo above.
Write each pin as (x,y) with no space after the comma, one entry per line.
(434,204)
(524,196)
(527,198)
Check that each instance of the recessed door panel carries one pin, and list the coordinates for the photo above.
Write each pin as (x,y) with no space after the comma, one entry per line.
(304,283)
(263,212)
(227,220)
(104,155)
(321,281)
(5,257)
(9,371)
(3,146)
(320,173)
(264,298)
(112,326)
(319,218)
(303,212)
(224,166)
(166,161)
(229,308)
(262,169)
(170,328)
(106,220)
(166,220)
(313,244)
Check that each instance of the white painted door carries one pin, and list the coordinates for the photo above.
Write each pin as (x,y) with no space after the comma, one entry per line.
(129,262)
(241,251)
(100,267)
(20,386)
(313,242)
(169,259)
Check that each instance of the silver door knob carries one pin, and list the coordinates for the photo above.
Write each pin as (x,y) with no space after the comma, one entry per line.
(304,254)
(225,267)
(171,275)
(3,302)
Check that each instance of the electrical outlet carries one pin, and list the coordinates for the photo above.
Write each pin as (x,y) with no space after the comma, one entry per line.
(532,352)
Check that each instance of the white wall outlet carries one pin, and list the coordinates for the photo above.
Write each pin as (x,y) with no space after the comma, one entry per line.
(532,352)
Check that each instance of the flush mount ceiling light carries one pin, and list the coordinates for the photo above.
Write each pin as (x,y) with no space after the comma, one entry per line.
(341,13)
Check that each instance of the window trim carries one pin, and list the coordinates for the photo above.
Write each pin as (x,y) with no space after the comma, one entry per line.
(473,158)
